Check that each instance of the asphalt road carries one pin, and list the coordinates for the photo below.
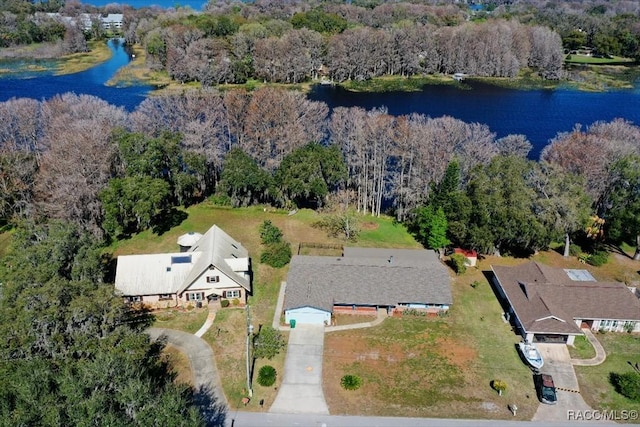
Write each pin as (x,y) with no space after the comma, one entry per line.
(256,419)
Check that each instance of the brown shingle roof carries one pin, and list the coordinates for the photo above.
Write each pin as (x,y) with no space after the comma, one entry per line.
(546,300)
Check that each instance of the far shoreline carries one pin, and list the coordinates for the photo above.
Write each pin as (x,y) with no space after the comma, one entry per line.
(586,77)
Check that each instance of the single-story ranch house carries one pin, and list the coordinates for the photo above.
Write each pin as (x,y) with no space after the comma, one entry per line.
(216,266)
(365,280)
(552,305)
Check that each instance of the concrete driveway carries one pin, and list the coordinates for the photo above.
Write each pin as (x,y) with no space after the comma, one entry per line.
(557,363)
(301,389)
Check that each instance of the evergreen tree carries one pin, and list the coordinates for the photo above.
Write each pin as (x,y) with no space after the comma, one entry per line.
(623,203)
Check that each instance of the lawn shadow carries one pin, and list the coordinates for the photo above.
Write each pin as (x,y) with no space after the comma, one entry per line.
(167,220)
(502,300)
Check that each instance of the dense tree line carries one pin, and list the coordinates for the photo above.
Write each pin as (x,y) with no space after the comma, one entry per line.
(71,352)
(297,41)
(276,51)
(78,159)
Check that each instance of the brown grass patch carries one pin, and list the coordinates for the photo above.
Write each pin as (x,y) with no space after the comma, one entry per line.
(459,354)
(179,363)
(350,319)
(369,226)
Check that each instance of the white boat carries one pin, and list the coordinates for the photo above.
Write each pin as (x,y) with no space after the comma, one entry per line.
(531,354)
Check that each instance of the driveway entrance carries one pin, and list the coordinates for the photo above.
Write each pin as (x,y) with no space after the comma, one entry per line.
(301,389)
(557,363)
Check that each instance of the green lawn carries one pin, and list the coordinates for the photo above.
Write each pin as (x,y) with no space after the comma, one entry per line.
(584,59)
(582,348)
(598,392)
(181,319)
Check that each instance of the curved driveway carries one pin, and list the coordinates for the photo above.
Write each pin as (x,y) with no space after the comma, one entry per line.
(206,380)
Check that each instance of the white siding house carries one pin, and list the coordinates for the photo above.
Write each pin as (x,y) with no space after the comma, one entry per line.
(216,266)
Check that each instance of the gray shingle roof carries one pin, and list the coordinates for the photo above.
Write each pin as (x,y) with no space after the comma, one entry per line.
(546,300)
(381,277)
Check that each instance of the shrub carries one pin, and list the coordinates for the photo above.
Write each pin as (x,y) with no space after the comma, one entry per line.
(276,255)
(598,258)
(351,382)
(235,302)
(220,200)
(627,384)
(475,284)
(269,233)
(224,303)
(267,376)
(345,225)
(458,263)
(575,250)
(499,386)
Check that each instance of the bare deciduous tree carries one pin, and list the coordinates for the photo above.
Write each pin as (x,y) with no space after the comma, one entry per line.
(78,162)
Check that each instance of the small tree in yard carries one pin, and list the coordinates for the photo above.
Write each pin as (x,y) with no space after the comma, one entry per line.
(267,343)
(276,255)
(431,225)
(267,376)
(269,233)
(499,386)
(458,263)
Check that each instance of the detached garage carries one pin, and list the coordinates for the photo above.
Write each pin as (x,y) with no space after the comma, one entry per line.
(307,315)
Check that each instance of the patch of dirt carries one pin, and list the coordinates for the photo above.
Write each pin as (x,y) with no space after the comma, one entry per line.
(369,226)
(456,352)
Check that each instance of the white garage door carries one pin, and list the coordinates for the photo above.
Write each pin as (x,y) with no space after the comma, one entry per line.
(308,316)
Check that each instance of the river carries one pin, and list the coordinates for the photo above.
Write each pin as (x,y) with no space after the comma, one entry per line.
(45,85)
(539,114)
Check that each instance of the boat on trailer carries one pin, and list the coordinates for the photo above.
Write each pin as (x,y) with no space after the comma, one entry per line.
(531,354)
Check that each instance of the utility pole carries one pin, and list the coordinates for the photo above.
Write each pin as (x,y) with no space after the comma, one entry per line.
(249,333)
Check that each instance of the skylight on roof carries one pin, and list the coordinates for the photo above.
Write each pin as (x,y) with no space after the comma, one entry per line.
(579,275)
(181,259)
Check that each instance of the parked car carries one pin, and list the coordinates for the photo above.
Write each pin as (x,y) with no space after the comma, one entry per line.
(545,388)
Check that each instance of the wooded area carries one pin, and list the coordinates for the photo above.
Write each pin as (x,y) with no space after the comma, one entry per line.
(291,42)
(78,159)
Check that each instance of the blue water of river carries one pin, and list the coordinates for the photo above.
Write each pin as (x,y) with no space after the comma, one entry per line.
(45,85)
(196,5)
(538,114)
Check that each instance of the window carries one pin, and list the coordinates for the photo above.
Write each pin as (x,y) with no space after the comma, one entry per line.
(195,296)
(213,279)
(163,297)
(232,294)
(135,299)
